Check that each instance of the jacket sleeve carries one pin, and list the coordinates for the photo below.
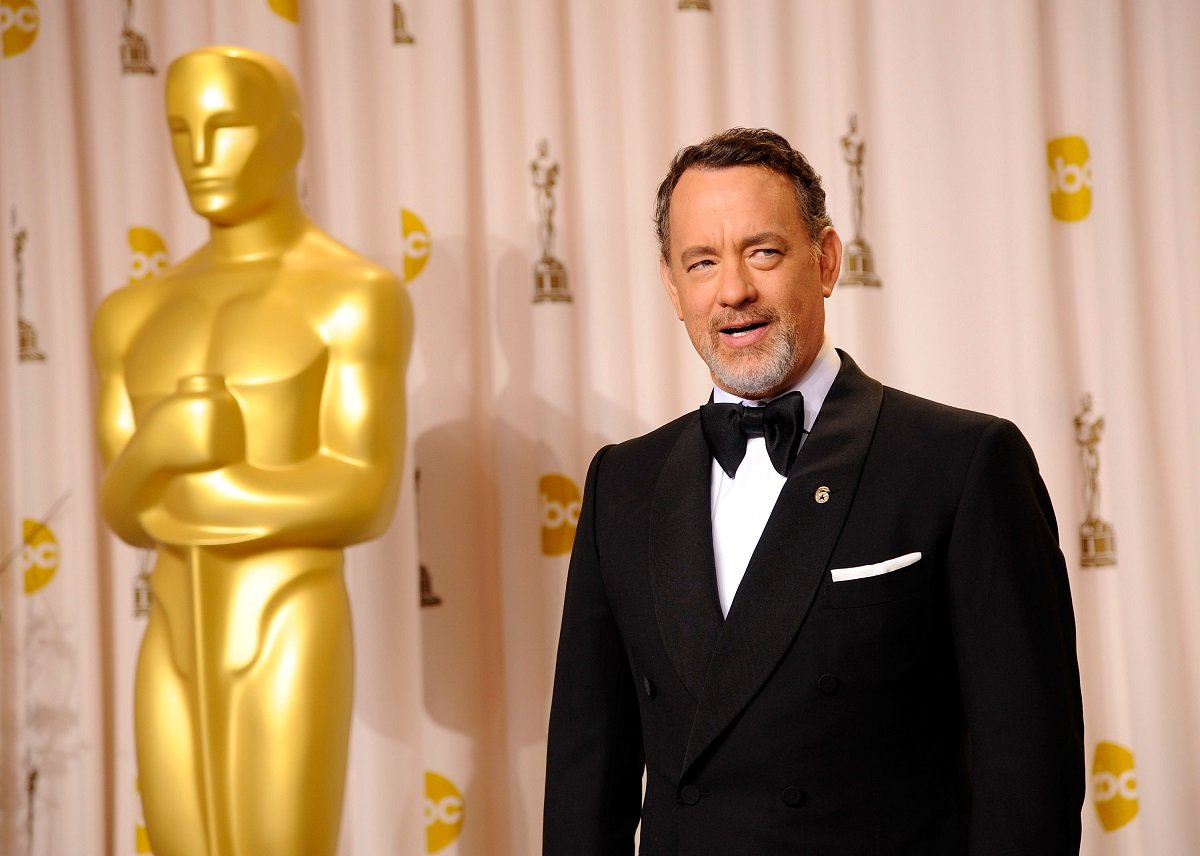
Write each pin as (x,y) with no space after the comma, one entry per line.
(1014,638)
(594,755)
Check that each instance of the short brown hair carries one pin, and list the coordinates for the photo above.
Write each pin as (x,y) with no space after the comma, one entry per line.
(746,147)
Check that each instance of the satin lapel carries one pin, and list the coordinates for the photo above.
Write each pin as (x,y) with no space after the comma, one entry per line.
(683,572)
(791,557)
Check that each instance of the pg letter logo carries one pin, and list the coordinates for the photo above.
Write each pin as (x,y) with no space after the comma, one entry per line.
(1069,175)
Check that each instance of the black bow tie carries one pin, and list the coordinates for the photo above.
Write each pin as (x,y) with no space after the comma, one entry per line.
(780,423)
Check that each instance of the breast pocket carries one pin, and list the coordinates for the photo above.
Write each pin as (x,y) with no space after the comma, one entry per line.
(871,585)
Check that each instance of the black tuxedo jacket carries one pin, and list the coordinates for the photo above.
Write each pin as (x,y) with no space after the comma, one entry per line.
(931,710)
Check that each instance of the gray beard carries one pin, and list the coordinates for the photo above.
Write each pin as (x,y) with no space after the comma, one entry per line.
(756,373)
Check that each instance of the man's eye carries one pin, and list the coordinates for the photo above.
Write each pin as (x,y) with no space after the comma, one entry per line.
(700,265)
(763,252)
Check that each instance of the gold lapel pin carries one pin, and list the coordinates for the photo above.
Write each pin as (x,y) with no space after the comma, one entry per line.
(822,495)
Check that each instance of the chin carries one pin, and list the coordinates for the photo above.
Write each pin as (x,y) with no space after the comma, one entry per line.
(211,204)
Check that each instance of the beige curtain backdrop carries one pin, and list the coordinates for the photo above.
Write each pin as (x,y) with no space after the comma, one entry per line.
(1031,184)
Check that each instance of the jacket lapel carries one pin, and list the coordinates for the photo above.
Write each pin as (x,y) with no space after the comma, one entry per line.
(683,571)
(791,557)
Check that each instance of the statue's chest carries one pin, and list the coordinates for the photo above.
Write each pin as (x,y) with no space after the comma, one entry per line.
(244,328)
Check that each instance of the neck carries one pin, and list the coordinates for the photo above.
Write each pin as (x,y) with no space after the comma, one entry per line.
(267,234)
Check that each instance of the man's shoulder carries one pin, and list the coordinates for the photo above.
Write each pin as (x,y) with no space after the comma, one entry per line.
(899,403)
(653,446)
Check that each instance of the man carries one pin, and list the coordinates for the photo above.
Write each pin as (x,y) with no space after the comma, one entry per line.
(868,649)
(250,418)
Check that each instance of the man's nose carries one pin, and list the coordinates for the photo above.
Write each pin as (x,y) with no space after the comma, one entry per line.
(737,286)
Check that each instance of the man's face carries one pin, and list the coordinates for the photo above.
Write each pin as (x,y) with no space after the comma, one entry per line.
(744,280)
(225,122)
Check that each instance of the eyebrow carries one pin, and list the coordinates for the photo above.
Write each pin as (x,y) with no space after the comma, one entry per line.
(767,237)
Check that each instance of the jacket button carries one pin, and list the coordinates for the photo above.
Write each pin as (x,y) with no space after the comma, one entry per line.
(793,796)
(828,684)
(648,687)
(689,794)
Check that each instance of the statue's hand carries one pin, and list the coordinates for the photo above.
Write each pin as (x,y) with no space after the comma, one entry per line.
(197,428)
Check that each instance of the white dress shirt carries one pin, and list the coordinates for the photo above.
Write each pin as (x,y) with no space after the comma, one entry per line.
(742,504)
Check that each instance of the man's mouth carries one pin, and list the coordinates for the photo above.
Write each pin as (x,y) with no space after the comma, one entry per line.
(740,330)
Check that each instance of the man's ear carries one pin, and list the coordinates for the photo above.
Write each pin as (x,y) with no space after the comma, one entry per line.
(831,259)
(664,271)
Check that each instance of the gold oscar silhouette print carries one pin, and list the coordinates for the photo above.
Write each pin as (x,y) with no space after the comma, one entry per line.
(549,275)
(860,262)
(135,48)
(251,421)
(27,337)
(1097,543)
(400,33)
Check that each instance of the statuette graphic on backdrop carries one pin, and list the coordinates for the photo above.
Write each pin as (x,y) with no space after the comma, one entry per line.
(251,424)
(135,47)
(859,268)
(143,595)
(549,274)
(1098,545)
(27,336)
(400,33)
(428,596)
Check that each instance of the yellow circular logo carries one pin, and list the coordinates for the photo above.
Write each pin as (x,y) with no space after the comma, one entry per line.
(416,244)
(1114,786)
(560,501)
(444,809)
(1069,177)
(148,254)
(19,21)
(287,9)
(39,556)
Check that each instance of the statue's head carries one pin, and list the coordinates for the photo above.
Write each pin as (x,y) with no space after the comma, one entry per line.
(234,116)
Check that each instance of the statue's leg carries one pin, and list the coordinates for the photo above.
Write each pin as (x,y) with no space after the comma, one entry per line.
(289,723)
(164,724)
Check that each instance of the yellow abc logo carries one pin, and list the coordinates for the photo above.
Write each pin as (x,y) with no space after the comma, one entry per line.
(1114,786)
(444,809)
(19,21)
(39,556)
(1069,177)
(141,838)
(148,254)
(287,9)
(560,500)
(416,244)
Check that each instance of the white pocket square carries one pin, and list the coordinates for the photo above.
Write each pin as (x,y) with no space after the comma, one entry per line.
(841,575)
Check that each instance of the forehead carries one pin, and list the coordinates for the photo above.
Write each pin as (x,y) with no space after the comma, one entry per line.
(751,197)
(206,84)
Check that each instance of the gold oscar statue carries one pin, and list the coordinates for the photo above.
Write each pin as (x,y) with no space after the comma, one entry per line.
(251,416)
